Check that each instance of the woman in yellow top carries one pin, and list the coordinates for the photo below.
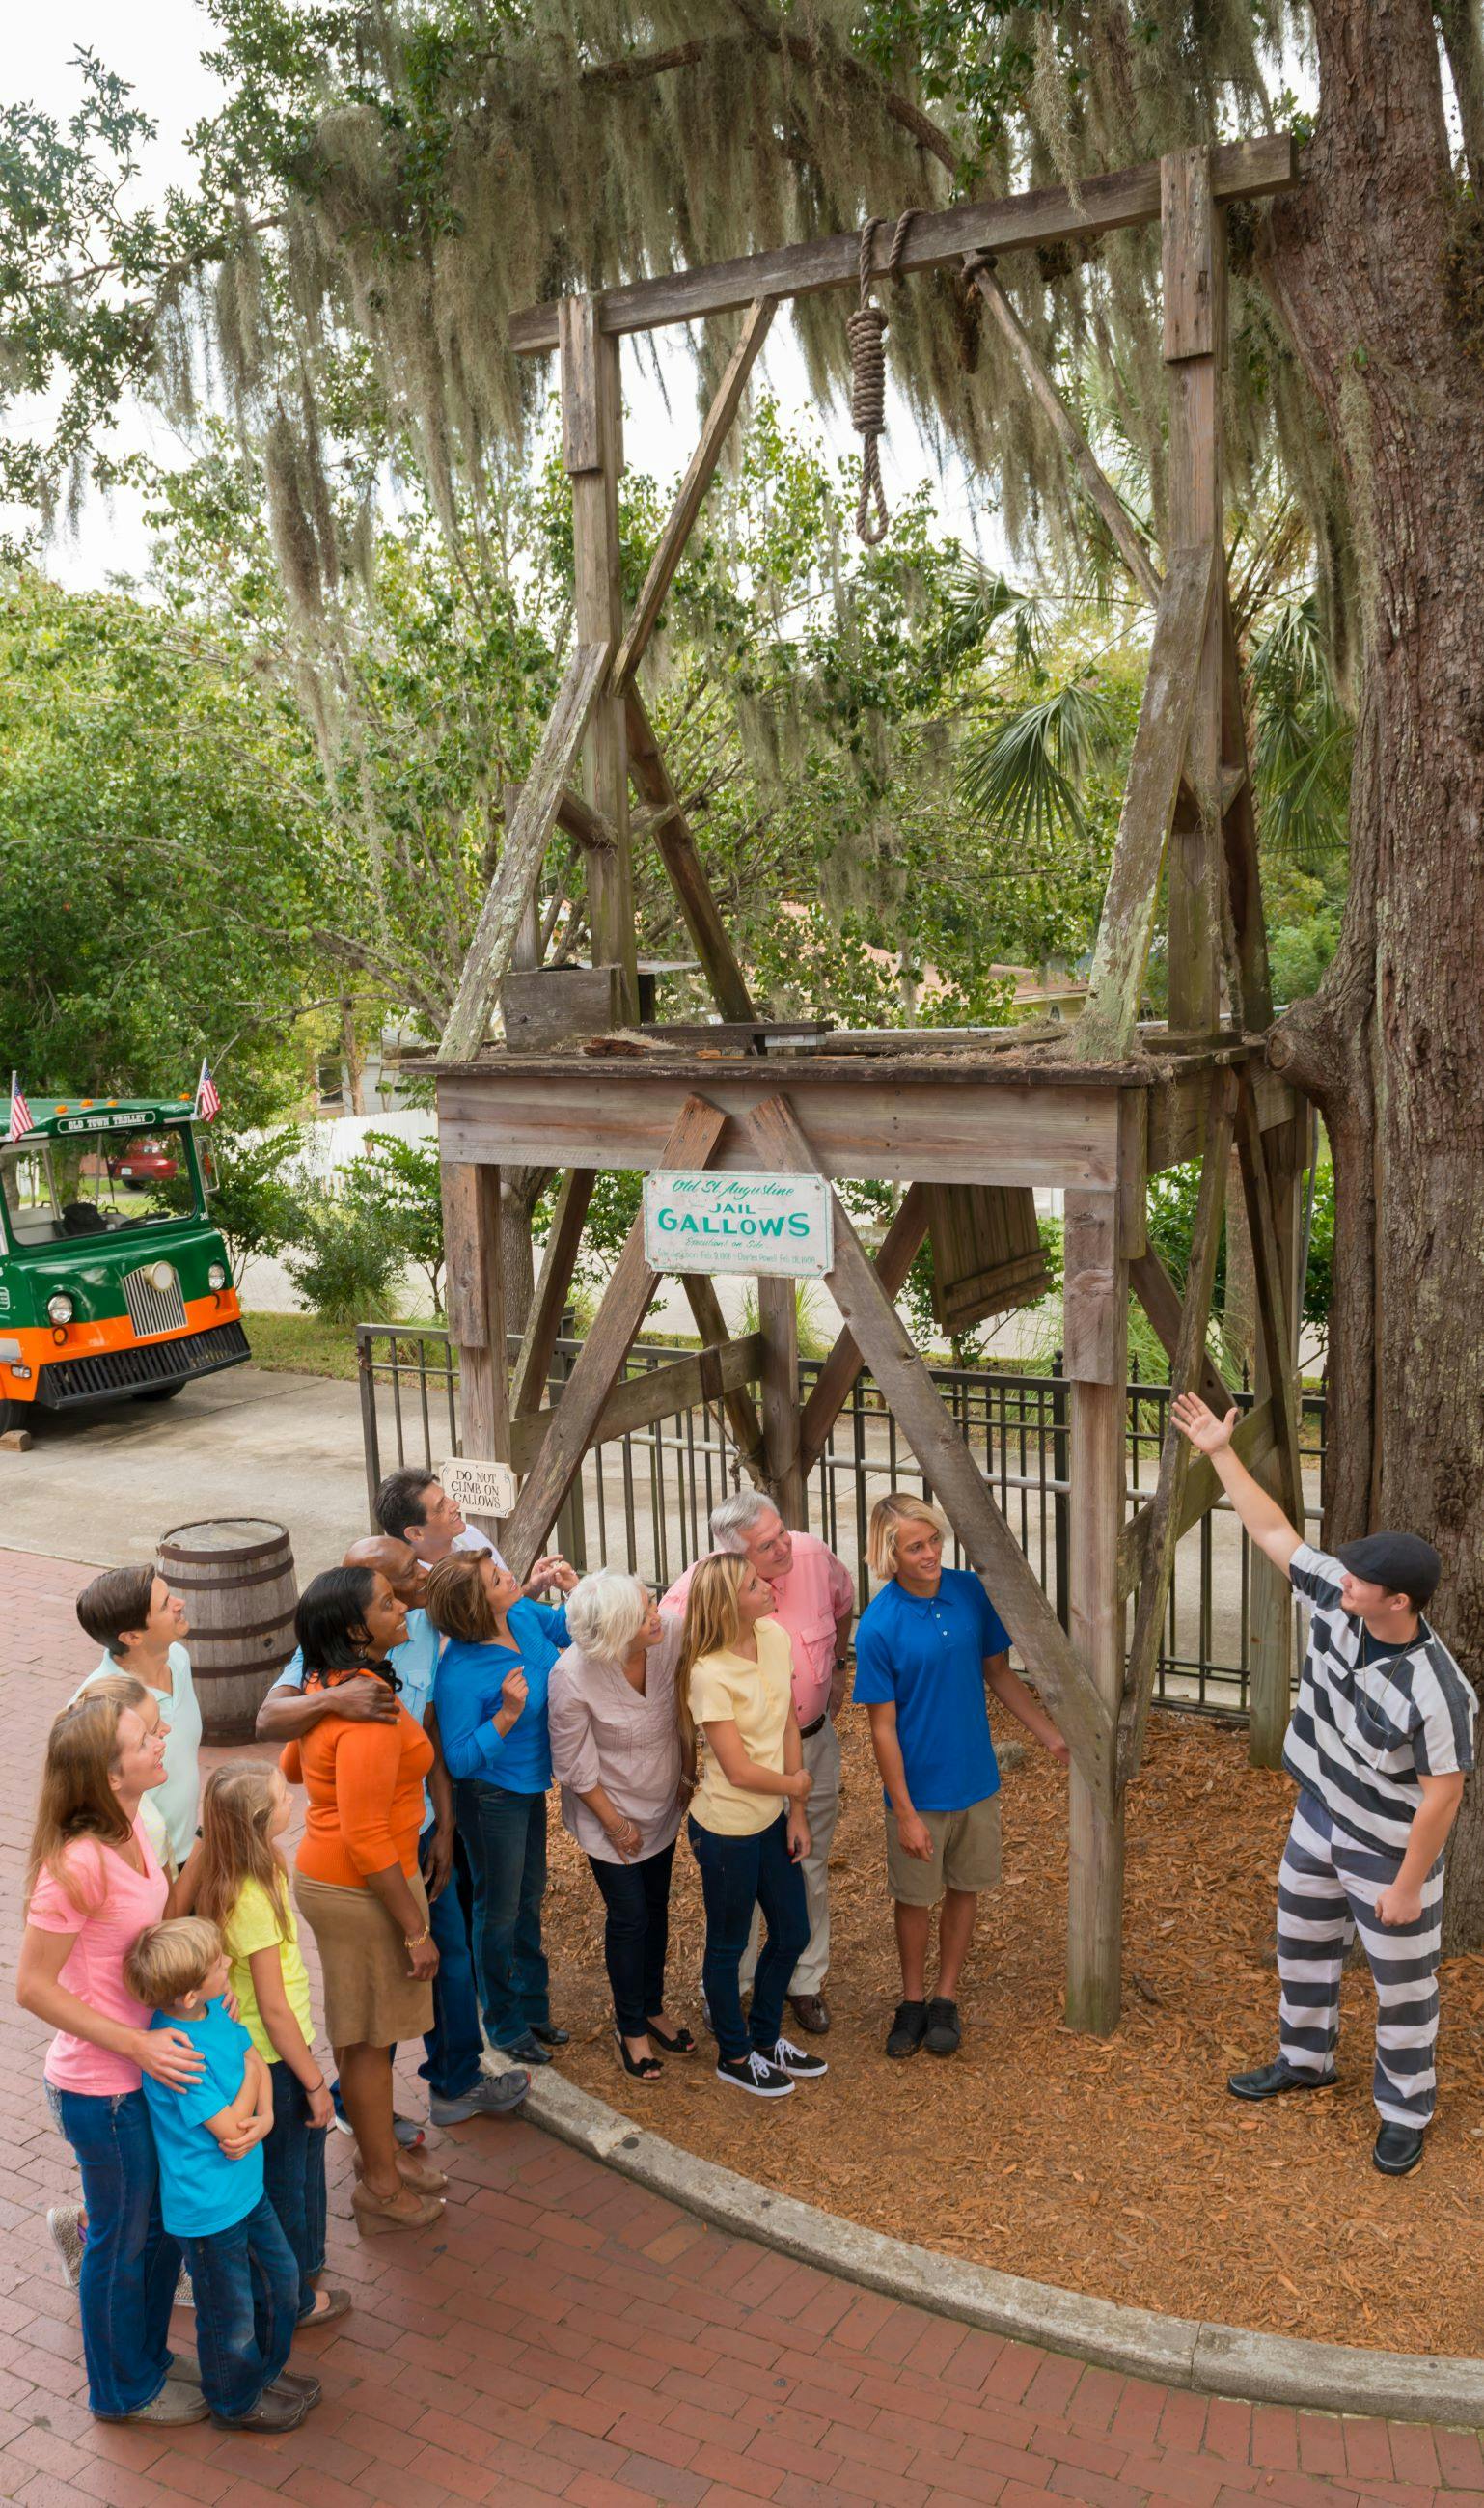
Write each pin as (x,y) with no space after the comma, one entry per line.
(734,1689)
(241,1884)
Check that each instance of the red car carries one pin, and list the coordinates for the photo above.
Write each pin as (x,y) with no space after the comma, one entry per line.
(146,1160)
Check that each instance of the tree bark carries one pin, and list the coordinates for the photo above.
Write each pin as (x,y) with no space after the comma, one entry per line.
(1392,1048)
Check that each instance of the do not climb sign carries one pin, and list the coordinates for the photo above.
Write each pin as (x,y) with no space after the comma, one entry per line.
(702,1221)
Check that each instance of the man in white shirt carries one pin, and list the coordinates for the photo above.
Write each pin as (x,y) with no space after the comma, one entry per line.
(414,1506)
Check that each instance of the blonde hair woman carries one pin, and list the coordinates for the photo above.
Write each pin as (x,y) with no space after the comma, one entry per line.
(93,1884)
(734,1692)
(926,1649)
(616,1749)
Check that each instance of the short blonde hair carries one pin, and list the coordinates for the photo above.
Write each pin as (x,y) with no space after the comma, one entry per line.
(169,1961)
(606,1612)
(887,1518)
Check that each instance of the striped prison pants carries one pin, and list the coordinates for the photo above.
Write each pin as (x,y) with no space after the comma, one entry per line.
(1326,1891)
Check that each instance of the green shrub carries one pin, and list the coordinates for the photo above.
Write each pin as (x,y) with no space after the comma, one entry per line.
(344,1262)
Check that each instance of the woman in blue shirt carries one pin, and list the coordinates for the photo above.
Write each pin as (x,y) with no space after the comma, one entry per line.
(490,1698)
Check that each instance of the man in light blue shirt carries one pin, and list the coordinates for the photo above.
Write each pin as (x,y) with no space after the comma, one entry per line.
(457,2085)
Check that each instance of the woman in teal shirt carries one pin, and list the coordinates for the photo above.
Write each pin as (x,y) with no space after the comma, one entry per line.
(489,1699)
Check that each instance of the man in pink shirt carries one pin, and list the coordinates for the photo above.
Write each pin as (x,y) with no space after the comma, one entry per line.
(815,1602)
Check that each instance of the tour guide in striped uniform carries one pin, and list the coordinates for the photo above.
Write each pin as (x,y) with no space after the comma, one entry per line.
(1380,1742)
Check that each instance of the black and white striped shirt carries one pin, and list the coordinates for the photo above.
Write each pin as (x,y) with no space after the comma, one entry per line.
(1369,1721)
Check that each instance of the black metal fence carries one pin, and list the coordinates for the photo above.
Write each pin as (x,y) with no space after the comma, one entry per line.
(641,1499)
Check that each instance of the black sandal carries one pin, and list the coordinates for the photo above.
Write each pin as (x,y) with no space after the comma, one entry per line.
(682,2044)
(639,2068)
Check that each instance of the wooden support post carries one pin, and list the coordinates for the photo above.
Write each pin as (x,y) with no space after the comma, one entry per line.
(1270,1681)
(895,1257)
(1276,1340)
(474,1300)
(1193,254)
(532,1367)
(1097,1336)
(782,1466)
(671,547)
(1081,1714)
(1239,833)
(592,441)
(676,848)
(491,952)
(736,1401)
(692,1138)
(1185,1370)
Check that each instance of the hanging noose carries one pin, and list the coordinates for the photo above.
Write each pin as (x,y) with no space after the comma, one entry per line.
(866,331)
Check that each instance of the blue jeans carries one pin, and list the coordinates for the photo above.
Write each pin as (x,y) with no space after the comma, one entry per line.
(504,1836)
(131,2264)
(293,2177)
(737,1874)
(246,2284)
(454,2046)
(636,1937)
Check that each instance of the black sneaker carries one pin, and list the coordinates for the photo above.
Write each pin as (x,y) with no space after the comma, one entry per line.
(1271,2081)
(756,2074)
(1398,2149)
(795,2061)
(943,2035)
(909,2029)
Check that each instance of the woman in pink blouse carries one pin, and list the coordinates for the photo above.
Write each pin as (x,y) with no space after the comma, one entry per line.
(616,1753)
(92,1884)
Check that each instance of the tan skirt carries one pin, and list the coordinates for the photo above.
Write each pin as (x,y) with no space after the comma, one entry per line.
(369,1998)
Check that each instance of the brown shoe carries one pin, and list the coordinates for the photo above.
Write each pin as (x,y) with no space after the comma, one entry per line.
(812,2013)
(406,2209)
(414,2169)
(274,2413)
(338,2302)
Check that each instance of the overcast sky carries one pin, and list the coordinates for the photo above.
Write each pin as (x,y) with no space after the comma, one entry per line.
(157,45)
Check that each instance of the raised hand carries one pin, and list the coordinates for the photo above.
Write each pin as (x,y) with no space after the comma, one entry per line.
(1206,1434)
(513,1693)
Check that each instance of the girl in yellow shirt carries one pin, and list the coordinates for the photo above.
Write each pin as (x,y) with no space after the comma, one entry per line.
(241,1884)
(734,1689)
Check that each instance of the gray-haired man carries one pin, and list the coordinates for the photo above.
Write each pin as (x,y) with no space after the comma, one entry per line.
(814,1600)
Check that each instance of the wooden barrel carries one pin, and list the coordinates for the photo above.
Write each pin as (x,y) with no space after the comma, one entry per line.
(235,1577)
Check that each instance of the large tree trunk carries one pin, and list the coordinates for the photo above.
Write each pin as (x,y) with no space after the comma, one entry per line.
(1393,1050)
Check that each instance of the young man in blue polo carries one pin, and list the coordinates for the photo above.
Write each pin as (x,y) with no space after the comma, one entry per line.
(926,1649)
(1379,1745)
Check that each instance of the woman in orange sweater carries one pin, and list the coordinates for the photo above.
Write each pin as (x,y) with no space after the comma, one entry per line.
(359,1886)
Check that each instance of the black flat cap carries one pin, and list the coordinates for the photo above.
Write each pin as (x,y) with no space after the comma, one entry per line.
(1403,1562)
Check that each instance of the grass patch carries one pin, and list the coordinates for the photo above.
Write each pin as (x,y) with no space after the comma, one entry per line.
(301,1346)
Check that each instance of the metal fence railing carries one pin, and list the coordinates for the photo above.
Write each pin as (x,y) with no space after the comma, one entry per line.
(641,1499)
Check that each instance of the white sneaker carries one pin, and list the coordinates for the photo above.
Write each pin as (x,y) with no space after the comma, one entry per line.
(757,2076)
(797,2062)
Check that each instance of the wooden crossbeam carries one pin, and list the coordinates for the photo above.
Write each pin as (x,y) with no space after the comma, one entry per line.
(693,1138)
(1106,1028)
(676,848)
(671,547)
(895,1257)
(1252,1442)
(1245,170)
(950,1470)
(706,1376)
(1095,479)
(544,1324)
(736,1401)
(492,945)
(1175,1460)
(1160,1299)
(1274,1325)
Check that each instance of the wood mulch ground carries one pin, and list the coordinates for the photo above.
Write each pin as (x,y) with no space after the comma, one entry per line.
(1120,2166)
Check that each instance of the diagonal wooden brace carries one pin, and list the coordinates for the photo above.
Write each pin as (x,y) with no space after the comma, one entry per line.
(1274,1322)
(693,1137)
(952,1472)
(1176,1459)
(895,1257)
(1160,1299)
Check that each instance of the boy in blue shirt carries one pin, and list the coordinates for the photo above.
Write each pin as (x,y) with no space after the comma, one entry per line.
(925,1650)
(208,2140)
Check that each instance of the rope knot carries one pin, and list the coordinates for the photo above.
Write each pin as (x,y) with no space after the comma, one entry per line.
(865,335)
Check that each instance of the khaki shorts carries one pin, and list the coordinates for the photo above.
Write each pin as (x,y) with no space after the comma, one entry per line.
(966,1854)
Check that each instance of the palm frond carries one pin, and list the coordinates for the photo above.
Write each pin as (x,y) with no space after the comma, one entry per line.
(1303,739)
(1022,772)
(979,600)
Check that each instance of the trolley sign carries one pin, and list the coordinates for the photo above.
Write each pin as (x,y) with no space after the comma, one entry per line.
(700,1221)
(478,1488)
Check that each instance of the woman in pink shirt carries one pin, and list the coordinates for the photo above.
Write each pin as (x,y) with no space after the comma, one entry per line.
(94,1882)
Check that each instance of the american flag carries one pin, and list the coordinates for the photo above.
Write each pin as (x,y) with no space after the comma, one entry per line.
(21,1114)
(207,1102)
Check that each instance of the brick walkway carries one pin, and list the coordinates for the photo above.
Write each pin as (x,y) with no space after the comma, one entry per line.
(566,2336)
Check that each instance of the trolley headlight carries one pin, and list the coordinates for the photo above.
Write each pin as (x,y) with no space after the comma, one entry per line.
(216,1277)
(161,1277)
(60,1307)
